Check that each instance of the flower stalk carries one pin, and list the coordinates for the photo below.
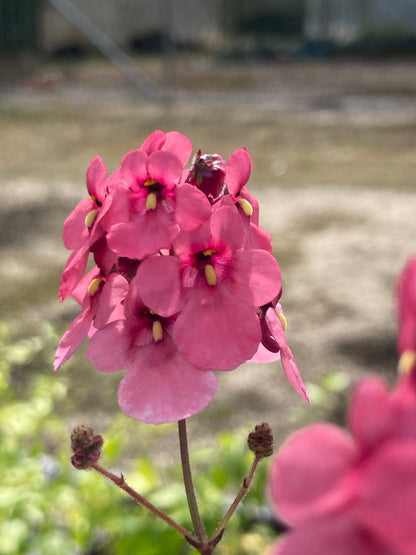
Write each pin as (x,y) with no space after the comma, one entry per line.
(189,487)
(121,483)
(243,490)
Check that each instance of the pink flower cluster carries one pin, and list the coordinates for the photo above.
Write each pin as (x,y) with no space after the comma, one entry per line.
(184,281)
(354,491)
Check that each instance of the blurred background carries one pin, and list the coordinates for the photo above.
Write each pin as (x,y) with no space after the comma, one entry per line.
(323,95)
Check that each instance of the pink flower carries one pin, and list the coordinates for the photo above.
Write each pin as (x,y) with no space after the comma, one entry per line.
(406,301)
(221,287)
(147,224)
(83,227)
(151,207)
(160,385)
(101,300)
(352,492)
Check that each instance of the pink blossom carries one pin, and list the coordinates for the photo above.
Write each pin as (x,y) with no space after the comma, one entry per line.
(160,385)
(101,300)
(221,287)
(147,224)
(352,491)
(82,228)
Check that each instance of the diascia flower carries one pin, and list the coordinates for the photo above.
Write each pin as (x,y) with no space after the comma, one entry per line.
(183,276)
(352,491)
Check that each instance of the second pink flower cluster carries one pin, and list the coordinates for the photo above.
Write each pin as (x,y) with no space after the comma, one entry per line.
(184,281)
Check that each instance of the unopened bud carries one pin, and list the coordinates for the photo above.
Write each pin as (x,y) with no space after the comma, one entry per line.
(86,447)
(208,174)
(260,440)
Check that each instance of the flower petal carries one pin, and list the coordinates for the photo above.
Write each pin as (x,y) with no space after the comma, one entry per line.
(307,476)
(288,362)
(75,232)
(256,276)
(179,145)
(73,338)
(238,171)
(73,271)
(338,535)
(162,387)
(370,416)
(192,207)
(133,168)
(387,502)
(217,332)
(164,167)
(159,284)
(109,348)
(153,142)
(96,179)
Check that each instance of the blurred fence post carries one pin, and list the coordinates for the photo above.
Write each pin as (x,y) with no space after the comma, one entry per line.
(109,49)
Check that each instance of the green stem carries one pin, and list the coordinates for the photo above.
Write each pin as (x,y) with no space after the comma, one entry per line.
(121,483)
(189,487)
(243,490)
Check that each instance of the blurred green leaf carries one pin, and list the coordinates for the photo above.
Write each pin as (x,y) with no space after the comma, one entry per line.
(48,507)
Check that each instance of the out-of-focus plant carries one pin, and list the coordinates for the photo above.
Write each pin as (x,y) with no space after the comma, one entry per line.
(47,507)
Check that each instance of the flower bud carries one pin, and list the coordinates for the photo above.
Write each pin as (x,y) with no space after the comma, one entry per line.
(260,441)
(208,174)
(86,447)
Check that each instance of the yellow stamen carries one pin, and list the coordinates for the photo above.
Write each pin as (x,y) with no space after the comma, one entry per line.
(90,218)
(157,330)
(406,362)
(93,198)
(246,206)
(210,275)
(282,319)
(94,286)
(151,201)
(208,252)
(149,182)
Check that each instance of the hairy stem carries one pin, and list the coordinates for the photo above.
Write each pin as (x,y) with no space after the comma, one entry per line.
(189,487)
(121,483)
(243,490)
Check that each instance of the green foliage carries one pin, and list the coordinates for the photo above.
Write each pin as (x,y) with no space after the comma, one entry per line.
(329,397)
(48,507)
